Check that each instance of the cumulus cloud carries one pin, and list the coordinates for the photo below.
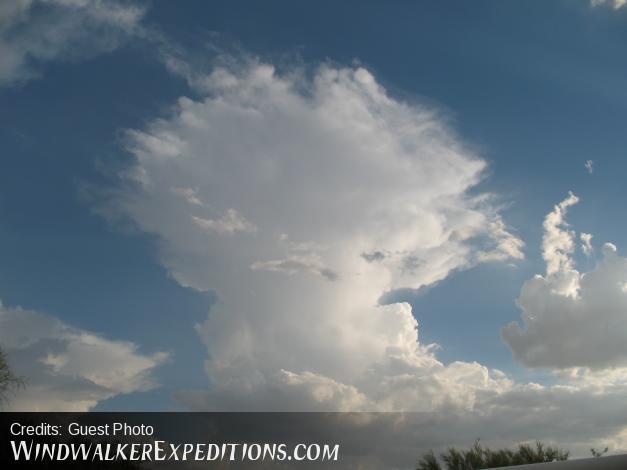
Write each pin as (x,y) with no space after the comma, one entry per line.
(560,415)
(68,369)
(572,321)
(338,177)
(331,171)
(36,31)
(589,166)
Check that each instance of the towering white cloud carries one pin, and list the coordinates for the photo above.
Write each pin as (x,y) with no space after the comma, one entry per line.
(301,198)
(558,245)
(347,194)
(68,369)
(35,31)
(572,319)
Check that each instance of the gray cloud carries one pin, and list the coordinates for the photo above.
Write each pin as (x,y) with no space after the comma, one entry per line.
(373,256)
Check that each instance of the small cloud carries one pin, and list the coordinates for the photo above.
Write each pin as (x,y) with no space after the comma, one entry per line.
(586,245)
(616,4)
(505,245)
(590,166)
(374,256)
(230,223)
(190,195)
(310,263)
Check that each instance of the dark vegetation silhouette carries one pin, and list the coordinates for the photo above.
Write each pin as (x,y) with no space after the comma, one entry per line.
(479,457)
(598,453)
(8,380)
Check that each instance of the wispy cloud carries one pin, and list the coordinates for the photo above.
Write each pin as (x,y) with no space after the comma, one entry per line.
(228,224)
(616,4)
(33,32)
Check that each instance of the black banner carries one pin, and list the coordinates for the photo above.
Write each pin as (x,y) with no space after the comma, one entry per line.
(223,440)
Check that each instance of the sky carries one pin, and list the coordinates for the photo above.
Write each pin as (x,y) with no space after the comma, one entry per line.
(381,206)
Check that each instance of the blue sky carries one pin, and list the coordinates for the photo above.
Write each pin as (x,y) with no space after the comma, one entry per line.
(535,89)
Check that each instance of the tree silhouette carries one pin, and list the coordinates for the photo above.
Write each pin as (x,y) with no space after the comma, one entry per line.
(598,453)
(8,380)
(479,457)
